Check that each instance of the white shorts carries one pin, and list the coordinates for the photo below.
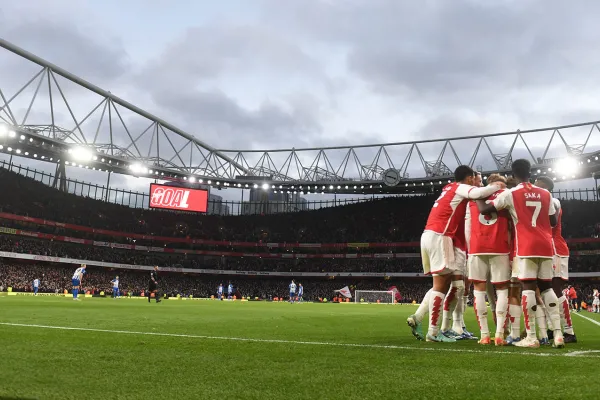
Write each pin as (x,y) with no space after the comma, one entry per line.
(561,267)
(534,268)
(514,266)
(439,256)
(495,268)
(596,302)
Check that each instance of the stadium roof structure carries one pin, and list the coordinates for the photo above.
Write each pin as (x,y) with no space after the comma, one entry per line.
(38,120)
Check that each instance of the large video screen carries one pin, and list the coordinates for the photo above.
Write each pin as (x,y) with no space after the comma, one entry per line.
(178,198)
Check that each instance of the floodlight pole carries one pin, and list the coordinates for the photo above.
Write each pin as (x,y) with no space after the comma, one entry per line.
(107,187)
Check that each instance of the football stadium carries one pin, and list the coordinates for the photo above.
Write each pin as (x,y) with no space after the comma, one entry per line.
(143,254)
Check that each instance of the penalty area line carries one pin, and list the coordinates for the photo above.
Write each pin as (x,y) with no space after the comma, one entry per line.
(306,343)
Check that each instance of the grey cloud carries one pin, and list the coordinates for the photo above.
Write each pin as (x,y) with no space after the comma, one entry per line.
(207,52)
(66,45)
(219,120)
(439,47)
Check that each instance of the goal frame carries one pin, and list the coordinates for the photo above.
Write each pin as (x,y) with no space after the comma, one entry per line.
(383,292)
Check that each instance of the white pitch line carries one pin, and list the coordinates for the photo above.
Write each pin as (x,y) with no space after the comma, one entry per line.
(307,343)
(593,321)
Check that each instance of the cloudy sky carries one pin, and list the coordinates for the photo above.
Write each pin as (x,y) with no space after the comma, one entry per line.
(306,73)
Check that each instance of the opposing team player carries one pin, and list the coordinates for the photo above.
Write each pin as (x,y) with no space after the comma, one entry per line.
(76,280)
(292,291)
(561,263)
(596,302)
(220,292)
(489,249)
(300,293)
(533,215)
(229,291)
(443,249)
(115,286)
(36,286)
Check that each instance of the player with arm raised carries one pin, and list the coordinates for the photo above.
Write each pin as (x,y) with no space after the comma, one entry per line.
(115,286)
(153,285)
(76,280)
(443,250)
(561,263)
(489,249)
(533,215)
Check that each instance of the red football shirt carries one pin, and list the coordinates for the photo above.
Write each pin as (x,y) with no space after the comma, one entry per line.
(560,245)
(447,216)
(489,233)
(529,206)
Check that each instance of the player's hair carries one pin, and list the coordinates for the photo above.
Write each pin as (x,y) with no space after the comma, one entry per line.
(547,181)
(521,169)
(496,178)
(462,172)
(511,182)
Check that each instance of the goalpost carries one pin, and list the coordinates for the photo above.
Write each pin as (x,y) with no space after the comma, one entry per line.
(374,296)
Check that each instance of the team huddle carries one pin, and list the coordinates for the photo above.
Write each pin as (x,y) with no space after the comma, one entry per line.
(506,239)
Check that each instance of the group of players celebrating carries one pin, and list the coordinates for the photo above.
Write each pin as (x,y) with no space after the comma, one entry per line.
(506,239)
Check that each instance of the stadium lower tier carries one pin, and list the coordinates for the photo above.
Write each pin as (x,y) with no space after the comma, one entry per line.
(56,278)
(410,264)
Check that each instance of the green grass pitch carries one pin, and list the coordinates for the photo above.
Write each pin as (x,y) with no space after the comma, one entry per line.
(252,350)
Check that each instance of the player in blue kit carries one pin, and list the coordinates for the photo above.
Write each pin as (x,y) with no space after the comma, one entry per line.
(76,280)
(220,292)
(36,286)
(229,291)
(300,293)
(116,292)
(292,291)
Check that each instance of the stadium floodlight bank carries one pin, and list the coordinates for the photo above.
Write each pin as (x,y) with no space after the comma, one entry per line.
(374,296)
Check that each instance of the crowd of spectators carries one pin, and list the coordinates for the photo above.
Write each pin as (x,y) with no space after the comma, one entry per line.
(19,244)
(55,278)
(391,219)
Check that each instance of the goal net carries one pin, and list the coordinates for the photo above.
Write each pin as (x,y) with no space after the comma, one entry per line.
(374,296)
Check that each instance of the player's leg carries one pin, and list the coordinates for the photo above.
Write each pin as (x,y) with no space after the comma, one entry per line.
(452,325)
(550,300)
(528,274)
(514,304)
(500,274)
(76,284)
(415,321)
(491,295)
(541,319)
(478,272)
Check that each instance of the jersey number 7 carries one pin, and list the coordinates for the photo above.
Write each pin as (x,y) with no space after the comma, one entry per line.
(536,212)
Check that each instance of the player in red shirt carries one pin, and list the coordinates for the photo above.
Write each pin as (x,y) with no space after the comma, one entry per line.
(443,249)
(533,215)
(561,263)
(489,249)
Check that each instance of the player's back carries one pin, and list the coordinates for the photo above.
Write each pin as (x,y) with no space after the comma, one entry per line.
(490,234)
(78,273)
(448,211)
(560,244)
(532,206)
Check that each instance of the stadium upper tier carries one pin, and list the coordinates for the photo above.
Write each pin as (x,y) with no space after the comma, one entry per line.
(388,220)
(98,130)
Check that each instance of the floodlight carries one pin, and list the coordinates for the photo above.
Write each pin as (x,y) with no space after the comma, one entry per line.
(81,154)
(265,186)
(567,166)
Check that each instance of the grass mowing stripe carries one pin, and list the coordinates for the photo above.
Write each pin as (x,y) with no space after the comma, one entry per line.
(308,343)
(593,321)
